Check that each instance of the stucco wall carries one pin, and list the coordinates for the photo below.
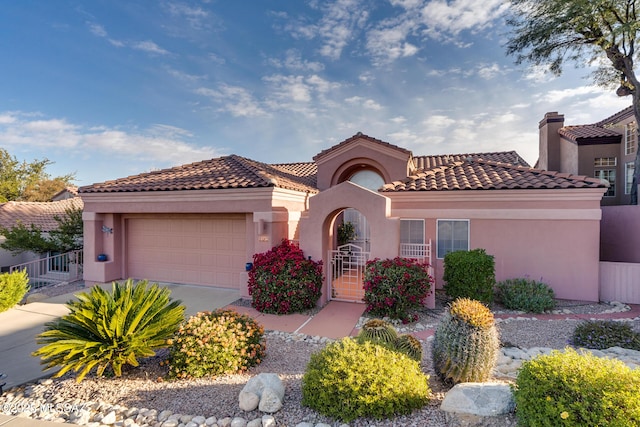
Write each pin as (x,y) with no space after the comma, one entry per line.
(620,234)
(549,235)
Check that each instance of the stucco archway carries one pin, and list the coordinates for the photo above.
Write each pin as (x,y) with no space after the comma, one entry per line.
(316,224)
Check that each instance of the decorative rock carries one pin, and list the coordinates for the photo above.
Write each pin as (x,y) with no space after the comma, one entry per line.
(224,422)
(199,420)
(483,399)
(238,422)
(255,423)
(164,415)
(264,380)
(171,423)
(211,421)
(191,424)
(268,421)
(109,419)
(270,401)
(248,400)
(304,424)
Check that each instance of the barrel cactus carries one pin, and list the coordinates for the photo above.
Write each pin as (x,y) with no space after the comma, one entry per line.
(410,346)
(466,343)
(378,331)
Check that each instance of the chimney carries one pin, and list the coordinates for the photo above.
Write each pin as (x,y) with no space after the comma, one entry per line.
(549,148)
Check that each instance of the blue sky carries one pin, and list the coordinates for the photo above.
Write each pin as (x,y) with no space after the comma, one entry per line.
(111,88)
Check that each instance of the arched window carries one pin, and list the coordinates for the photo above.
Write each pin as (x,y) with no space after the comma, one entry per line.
(368,179)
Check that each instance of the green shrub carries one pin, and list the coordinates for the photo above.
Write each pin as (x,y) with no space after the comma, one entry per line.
(603,334)
(13,287)
(396,288)
(216,343)
(106,329)
(469,274)
(526,295)
(347,380)
(283,281)
(572,389)
(466,343)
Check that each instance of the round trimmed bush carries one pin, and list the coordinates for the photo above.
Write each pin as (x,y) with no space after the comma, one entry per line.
(577,389)
(283,281)
(13,287)
(348,380)
(396,288)
(603,334)
(525,294)
(216,343)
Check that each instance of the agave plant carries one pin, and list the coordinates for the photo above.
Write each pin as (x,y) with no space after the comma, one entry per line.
(106,329)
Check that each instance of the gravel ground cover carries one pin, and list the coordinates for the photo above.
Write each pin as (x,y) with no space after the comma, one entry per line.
(287,355)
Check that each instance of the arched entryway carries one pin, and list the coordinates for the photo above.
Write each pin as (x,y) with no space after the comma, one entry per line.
(350,253)
(318,225)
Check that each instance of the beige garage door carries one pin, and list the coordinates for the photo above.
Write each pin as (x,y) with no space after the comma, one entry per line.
(198,249)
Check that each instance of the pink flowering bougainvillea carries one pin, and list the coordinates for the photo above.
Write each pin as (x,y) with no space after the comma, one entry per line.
(283,281)
(396,288)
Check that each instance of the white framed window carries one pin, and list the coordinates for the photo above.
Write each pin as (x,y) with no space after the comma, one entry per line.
(628,177)
(412,231)
(630,138)
(608,175)
(605,161)
(452,235)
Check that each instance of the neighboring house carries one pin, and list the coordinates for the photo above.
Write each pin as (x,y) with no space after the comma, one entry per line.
(201,223)
(604,150)
(40,214)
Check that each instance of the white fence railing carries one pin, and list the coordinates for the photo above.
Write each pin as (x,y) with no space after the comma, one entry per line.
(52,270)
(620,281)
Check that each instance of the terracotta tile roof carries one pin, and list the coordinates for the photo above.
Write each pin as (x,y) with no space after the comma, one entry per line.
(590,132)
(430,162)
(617,117)
(479,174)
(359,135)
(597,133)
(39,214)
(219,173)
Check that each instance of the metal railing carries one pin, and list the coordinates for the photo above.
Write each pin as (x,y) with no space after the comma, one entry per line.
(52,270)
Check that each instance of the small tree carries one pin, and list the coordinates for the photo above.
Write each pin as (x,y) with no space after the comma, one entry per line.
(549,32)
(66,237)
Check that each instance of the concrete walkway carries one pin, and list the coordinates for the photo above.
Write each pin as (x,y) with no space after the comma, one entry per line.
(20,325)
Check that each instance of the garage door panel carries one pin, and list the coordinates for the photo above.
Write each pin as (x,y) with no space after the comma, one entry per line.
(194,250)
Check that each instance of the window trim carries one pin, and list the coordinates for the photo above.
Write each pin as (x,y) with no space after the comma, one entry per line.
(613,186)
(628,183)
(630,144)
(424,229)
(598,162)
(468,221)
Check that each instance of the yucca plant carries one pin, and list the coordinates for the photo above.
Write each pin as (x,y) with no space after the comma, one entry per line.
(106,329)
(466,343)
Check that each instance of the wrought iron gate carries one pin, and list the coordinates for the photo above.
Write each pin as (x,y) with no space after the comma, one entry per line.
(347,271)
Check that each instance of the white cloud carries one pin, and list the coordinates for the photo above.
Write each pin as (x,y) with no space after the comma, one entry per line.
(438,121)
(452,17)
(149,47)
(367,104)
(235,100)
(160,142)
(488,72)
(293,61)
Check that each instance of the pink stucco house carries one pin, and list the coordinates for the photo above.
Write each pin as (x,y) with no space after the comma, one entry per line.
(202,223)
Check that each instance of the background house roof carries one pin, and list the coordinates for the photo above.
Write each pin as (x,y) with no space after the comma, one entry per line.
(601,132)
(40,214)
(480,174)
(219,173)
(429,162)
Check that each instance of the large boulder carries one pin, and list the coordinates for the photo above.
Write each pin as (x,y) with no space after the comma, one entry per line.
(484,399)
(264,391)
